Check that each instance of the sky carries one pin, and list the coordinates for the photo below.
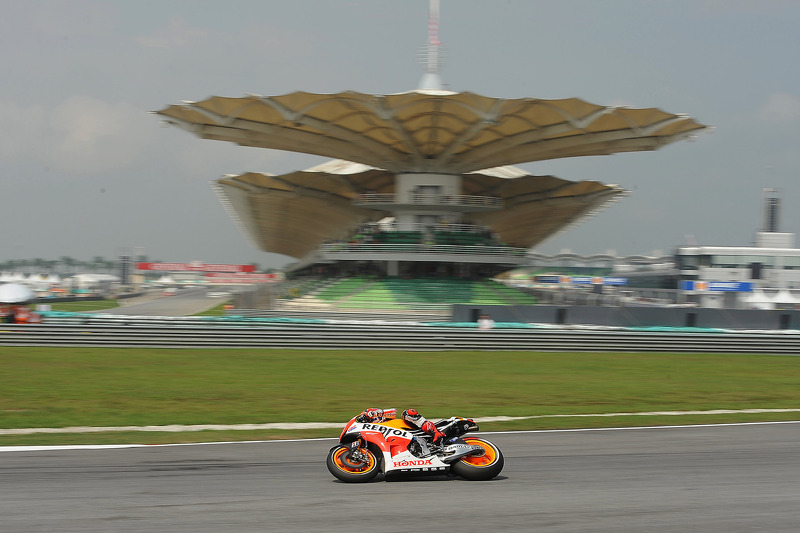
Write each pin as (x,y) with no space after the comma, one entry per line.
(87,170)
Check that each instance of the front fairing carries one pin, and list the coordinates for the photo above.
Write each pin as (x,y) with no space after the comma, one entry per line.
(346,431)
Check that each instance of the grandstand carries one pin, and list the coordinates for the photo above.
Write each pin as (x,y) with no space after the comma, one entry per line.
(422,195)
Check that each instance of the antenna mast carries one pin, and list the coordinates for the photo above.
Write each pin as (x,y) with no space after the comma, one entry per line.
(432,55)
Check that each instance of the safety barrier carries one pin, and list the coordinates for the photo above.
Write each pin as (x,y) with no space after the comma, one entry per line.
(321,334)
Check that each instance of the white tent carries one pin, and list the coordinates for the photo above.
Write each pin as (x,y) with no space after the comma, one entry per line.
(784,298)
(12,293)
(758,299)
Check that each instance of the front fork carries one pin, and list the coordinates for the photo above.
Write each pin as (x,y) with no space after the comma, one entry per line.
(357,450)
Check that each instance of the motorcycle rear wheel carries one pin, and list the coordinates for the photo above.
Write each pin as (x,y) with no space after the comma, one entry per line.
(350,470)
(482,467)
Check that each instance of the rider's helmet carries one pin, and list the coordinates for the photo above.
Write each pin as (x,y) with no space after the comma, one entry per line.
(412,416)
(371,415)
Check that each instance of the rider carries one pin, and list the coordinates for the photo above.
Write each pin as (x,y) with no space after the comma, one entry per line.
(412,417)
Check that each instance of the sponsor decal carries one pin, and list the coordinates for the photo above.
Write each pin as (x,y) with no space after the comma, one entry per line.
(387,431)
(418,462)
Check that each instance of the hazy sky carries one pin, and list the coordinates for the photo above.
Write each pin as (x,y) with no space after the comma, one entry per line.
(86,170)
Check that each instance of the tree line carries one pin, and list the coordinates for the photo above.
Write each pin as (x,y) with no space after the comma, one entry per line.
(62,264)
(67,264)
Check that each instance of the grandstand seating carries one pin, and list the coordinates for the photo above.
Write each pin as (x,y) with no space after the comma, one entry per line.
(416,293)
(398,237)
(460,238)
(341,288)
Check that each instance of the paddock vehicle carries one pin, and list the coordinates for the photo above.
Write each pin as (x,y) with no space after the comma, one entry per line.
(394,448)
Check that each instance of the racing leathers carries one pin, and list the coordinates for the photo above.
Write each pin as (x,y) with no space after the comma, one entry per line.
(412,417)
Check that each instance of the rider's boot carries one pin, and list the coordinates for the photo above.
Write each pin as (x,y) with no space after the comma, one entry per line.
(431,429)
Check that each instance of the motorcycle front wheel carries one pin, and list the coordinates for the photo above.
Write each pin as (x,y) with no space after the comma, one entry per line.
(345,467)
(480,467)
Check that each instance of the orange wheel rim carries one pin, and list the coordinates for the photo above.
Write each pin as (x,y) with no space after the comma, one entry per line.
(489,456)
(341,462)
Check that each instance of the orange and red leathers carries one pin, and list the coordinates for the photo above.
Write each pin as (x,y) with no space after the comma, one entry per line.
(429,428)
(413,417)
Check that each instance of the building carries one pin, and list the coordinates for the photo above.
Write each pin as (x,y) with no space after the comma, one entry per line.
(765,275)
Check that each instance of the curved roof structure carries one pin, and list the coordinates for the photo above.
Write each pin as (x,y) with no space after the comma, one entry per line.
(429,130)
(294,213)
(375,138)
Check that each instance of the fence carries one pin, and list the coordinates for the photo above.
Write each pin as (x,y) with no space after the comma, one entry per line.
(89,330)
(673,317)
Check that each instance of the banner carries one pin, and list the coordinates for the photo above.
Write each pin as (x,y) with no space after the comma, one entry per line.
(717,286)
(195,266)
(217,277)
(579,280)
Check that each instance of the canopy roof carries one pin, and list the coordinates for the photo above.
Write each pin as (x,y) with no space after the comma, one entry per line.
(430,131)
(294,213)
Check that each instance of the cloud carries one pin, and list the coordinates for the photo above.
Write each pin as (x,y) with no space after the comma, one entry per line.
(176,34)
(87,134)
(780,107)
(19,128)
(80,134)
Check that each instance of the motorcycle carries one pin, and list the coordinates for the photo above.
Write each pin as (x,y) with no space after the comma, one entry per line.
(395,448)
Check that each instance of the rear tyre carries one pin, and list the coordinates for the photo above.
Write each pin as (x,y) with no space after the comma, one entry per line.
(345,467)
(480,467)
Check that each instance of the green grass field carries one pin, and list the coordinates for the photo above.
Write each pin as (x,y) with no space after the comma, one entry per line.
(62,387)
(102,305)
(84,306)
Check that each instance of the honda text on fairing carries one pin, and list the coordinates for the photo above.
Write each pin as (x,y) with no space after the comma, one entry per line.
(394,448)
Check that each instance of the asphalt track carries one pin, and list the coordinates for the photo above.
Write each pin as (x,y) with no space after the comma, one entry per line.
(711,479)
(184,302)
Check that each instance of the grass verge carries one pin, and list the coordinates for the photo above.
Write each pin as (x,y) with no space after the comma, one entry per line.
(83,306)
(62,387)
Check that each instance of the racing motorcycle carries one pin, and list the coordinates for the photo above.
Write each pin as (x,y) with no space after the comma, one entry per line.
(395,448)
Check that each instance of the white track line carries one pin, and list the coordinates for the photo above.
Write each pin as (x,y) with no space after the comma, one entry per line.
(177,428)
(118,446)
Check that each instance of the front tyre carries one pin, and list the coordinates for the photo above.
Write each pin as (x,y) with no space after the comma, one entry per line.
(350,468)
(480,467)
